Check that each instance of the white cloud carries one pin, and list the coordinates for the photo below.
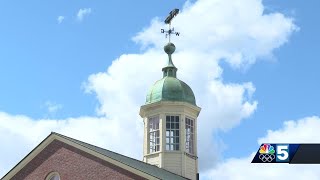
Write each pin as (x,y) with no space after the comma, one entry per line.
(23,134)
(52,107)
(303,130)
(238,31)
(60,19)
(300,131)
(82,13)
(210,31)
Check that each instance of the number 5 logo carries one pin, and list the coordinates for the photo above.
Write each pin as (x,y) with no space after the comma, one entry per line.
(283,153)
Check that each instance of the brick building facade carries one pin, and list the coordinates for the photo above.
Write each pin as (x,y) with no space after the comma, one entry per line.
(60,157)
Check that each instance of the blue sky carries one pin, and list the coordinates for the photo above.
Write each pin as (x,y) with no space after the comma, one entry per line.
(72,71)
(287,88)
(42,60)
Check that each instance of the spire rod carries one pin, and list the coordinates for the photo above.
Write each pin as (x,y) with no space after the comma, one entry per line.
(170,69)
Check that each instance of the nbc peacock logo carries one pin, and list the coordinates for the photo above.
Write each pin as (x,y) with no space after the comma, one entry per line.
(266,153)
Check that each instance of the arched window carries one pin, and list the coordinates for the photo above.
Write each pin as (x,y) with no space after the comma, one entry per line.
(53,176)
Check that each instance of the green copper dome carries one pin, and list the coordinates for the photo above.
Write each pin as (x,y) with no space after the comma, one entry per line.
(169,88)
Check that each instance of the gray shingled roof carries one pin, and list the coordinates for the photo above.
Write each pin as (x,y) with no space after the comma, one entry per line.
(139,165)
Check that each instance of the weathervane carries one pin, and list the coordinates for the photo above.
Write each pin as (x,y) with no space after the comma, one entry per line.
(168,20)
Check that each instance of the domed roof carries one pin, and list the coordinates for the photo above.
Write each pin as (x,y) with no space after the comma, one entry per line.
(170,89)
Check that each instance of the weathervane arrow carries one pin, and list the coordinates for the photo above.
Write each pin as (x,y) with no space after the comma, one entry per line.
(168,20)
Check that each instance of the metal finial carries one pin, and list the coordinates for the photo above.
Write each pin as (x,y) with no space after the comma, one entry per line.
(168,20)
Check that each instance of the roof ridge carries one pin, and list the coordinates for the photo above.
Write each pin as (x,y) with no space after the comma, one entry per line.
(100,148)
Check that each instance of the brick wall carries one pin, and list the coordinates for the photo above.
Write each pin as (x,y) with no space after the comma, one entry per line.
(71,164)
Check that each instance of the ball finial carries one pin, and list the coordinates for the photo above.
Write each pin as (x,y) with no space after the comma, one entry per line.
(169,48)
